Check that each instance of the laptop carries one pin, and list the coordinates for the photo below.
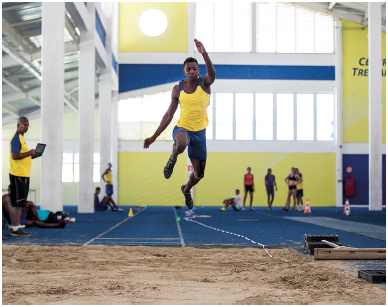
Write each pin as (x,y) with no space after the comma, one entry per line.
(39,150)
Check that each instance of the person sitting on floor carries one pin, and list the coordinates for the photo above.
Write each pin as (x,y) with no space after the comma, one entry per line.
(104,204)
(235,202)
(29,216)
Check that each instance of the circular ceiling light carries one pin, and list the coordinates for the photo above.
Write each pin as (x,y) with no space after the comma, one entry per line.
(153,22)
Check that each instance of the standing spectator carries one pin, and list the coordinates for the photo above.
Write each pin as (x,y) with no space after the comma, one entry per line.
(107,177)
(19,174)
(299,191)
(249,186)
(270,183)
(291,180)
(235,202)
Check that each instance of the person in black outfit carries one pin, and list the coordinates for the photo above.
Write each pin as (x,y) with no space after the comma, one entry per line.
(291,180)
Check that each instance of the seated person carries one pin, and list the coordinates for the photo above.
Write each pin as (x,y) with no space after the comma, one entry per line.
(104,204)
(235,202)
(29,216)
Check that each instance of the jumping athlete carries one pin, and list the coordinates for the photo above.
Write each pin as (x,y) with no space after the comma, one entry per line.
(193,95)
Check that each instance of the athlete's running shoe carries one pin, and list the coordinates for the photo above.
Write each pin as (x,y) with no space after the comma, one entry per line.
(18,233)
(188,200)
(169,168)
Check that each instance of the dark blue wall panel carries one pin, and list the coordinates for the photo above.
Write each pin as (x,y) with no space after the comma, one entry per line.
(100,29)
(137,76)
(360,173)
(114,63)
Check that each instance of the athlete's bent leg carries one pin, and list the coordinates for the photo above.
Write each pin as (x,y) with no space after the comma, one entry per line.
(197,175)
(180,144)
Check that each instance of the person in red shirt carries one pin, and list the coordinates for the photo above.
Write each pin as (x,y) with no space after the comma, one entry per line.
(248,187)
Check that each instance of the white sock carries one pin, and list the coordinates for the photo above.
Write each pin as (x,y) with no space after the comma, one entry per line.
(15,228)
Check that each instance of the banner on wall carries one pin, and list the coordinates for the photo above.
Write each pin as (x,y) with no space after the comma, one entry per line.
(355,86)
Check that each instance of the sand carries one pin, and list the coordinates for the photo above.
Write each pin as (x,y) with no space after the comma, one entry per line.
(112,275)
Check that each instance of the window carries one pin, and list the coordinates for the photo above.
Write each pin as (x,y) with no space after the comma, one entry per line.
(325,117)
(232,116)
(139,117)
(224,26)
(244,116)
(280,27)
(224,116)
(285,116)
(266,28)
(285,28)
(70,167)
(305,117)
(264,116)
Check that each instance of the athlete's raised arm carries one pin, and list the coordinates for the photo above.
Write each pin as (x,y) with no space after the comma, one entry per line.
(211,72)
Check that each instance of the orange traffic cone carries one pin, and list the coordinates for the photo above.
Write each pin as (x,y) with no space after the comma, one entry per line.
(307,207)
(130,212)
(347,208)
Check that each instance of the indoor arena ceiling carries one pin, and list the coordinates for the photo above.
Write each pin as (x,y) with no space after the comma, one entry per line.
(21,40)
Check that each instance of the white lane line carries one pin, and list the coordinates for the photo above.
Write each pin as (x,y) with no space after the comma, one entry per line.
(118,224)
(179,229)
(190,219)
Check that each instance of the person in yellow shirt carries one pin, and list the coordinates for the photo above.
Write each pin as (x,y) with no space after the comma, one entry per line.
(193,96)
(299,192)
(107,177)
(19,175)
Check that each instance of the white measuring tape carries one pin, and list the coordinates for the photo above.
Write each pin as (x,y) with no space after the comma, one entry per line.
(190,219)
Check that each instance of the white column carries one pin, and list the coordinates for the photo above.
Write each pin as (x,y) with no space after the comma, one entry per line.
(338,114)
(52,108)
(191,24)
(86,99)
(105,102)
(105,105)
(375,108)
(115,145)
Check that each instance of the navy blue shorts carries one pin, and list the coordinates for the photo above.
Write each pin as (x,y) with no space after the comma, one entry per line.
(109,189)
(197,142)
(102,206)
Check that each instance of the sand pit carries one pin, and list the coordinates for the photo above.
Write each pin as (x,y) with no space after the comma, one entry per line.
(148,275)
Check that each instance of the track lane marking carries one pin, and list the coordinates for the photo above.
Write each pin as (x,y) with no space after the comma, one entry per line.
(113,227)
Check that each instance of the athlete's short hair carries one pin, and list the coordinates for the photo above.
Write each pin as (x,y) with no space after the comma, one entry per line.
(190,60)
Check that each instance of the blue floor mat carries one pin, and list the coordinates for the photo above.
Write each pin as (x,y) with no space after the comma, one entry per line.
(159,226)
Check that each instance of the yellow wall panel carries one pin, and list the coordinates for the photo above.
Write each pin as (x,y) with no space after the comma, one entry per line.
(132,39)
(141,180)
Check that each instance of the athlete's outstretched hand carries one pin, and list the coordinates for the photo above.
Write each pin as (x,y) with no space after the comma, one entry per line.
(200,47)
(148,142)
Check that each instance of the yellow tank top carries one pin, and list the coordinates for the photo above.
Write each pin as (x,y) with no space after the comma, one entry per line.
(108,177)
(22,167)
(193,108)
(300,185)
